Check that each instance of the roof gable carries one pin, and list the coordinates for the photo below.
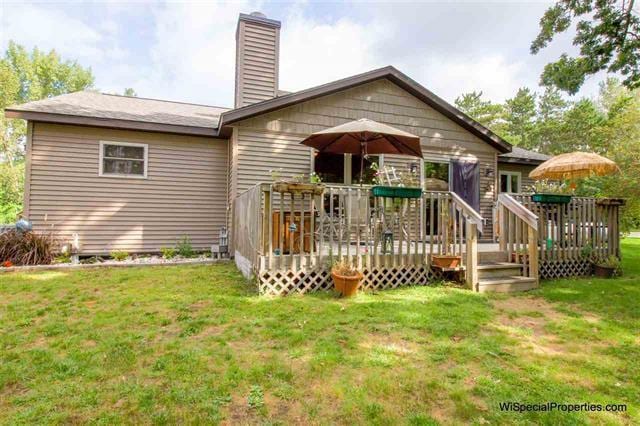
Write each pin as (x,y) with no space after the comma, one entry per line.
(388,73)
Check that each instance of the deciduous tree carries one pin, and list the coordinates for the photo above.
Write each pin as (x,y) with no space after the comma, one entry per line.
(607,33)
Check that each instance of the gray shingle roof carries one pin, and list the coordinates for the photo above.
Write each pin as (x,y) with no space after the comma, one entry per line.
(524,155)
(105,106)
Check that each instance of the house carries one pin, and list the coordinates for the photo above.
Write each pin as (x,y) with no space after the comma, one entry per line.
(136,174)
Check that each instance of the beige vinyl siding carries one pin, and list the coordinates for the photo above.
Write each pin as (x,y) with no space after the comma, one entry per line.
(257,63)
(184,193)
(272,140)
(524,169)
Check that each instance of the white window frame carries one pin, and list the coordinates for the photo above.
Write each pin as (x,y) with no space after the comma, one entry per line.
(101,172)
(509,174)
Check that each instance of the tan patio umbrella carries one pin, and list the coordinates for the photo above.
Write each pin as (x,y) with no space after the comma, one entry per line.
(574,165)
(362,137)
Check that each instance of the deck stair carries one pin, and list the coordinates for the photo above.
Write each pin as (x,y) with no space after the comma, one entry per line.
(496,274)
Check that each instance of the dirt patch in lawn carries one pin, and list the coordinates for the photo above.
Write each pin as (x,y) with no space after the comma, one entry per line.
(526,319)
(390,343)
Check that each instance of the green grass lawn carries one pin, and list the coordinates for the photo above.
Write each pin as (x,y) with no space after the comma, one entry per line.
(196,344)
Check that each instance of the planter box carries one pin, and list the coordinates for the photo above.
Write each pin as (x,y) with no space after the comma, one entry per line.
(306,188)
(551,198)
(396,192)
(444,261)
(604,271)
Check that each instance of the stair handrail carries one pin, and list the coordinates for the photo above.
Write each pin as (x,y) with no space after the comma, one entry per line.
(519,210)
(507,202)
(473,226)
(470,213)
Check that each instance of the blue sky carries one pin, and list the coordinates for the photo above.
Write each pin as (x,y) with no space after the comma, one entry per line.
(185,50)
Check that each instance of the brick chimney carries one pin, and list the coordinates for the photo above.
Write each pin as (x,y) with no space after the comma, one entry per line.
(257,56)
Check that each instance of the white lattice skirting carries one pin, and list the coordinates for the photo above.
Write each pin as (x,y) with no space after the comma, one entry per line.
(565,269)
(287,282)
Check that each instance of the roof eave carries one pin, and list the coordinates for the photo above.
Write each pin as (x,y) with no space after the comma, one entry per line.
(112,123)
(523,161)
(389,73)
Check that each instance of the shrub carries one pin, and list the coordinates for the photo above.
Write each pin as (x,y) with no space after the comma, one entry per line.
(168,252)
(27,248)
(119,255)
(184,247)
(610,262)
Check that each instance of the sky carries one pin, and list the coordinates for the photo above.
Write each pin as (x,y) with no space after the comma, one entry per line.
(185,51)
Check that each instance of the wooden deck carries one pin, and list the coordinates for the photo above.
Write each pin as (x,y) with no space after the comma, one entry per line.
(289,240)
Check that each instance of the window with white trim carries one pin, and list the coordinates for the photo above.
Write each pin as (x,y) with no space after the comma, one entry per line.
(510,181)
(123,159)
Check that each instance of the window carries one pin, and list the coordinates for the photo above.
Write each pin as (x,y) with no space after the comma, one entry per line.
(510,181)
(123,159)
(344,168)
(329,167)
(436,176)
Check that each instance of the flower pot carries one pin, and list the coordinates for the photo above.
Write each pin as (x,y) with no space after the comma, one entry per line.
(445,261)
(347,285)
(604,271)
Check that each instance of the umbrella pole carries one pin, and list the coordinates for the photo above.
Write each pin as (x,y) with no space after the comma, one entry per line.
(361,161)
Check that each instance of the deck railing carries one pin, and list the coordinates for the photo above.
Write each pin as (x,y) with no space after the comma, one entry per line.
(569,236)
(585,227)
(293,231)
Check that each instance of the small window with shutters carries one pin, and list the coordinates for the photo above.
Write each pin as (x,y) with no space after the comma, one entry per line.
(123,159)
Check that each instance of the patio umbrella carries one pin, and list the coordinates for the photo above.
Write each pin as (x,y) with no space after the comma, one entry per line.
(574,165)
(364,137)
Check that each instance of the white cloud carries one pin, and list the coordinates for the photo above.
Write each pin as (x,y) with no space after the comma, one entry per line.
(494,75)
(47,28)
(314,52)
(186,50)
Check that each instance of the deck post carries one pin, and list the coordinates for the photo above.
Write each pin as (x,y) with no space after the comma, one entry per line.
(532,245)
(472,255)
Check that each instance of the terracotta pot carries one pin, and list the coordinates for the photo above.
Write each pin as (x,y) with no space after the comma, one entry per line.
(347,286)
(444,261)
(604,271)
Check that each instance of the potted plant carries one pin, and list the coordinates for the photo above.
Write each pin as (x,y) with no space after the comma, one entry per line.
(551,193)
(608,268)
(346,278)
